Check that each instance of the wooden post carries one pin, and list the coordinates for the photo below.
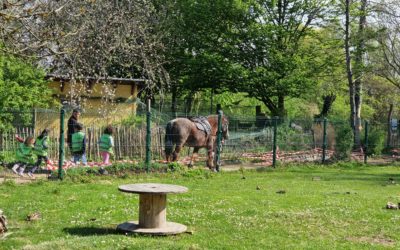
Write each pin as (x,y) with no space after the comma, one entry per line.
(258,110)
(324,142)
(275,120)
(148,136)
(61,146)
(219,107)
(366,142)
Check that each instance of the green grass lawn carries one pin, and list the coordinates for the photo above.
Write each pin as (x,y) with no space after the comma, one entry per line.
(342,210)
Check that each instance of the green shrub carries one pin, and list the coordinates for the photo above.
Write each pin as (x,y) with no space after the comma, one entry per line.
(7,156)
(290,139)
(376,142)
(10,183)
(176,167)
(344,141)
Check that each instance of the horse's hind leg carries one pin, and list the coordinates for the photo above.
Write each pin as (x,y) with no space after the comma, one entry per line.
(194,154)
(175,154)
(210,158)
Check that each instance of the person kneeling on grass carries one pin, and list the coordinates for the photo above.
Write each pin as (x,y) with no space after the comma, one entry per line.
(40,149)
(24,156)
(79,145)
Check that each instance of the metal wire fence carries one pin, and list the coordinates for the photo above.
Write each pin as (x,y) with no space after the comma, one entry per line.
(258,141)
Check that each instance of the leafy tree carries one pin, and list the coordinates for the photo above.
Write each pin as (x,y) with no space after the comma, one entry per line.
(201,45)
(257,47)
(388,60)
(78,39)
(279,63)
(22,87)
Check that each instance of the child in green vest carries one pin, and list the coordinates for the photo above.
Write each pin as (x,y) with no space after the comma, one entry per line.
(24,156)
(78,146)
(106,144)
(40,149)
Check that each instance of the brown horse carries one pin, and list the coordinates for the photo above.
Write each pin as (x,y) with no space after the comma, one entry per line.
(184,132)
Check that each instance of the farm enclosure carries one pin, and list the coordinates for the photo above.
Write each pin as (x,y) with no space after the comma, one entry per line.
(251,139)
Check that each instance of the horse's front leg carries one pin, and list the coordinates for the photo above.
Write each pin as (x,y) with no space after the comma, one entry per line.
(210,158)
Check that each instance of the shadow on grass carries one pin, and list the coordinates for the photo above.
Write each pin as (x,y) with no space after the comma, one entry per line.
(90,231)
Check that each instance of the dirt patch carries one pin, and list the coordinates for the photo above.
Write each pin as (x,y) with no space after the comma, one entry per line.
(373,240)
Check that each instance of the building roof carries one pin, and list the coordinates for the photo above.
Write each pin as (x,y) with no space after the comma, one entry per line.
(114,80)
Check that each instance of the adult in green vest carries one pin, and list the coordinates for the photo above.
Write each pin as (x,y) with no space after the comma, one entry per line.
(107,144)
(78,145)
(24,156)
(71,128)
(40,150)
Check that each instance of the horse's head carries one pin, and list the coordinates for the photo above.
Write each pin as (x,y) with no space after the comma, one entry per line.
(213,120)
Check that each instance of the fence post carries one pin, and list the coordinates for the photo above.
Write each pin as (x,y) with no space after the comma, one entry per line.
(275,119)
(219,139)
(324,141)
(148,136)
(61,146)
(366,142)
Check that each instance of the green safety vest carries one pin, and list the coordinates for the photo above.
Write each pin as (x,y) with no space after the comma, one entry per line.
(105,143)
(77,141)
(39,149)
(24,153)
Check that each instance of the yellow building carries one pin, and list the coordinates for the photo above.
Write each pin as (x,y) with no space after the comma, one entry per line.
(102,100)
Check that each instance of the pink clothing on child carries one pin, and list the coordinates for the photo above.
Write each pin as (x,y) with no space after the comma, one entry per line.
(106,157)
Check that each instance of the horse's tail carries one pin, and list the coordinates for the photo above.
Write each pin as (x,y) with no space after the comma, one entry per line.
(169,144)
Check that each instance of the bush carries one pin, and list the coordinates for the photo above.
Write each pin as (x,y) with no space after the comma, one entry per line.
(291,139)
(176,167)
(7,157)
(344,141)
(376,142)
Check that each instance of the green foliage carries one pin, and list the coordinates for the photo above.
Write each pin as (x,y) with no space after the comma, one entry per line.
(176,167)
(10,183)
(134,121)
(344,141)
(376,142)
(222,45)
(7,156)
(298,108)
(22,87)
(201,41)
(290,139)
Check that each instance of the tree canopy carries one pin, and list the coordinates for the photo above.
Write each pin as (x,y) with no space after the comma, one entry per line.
(22,87)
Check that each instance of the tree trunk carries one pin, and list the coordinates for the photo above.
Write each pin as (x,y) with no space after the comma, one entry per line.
(389,127)
(189,103)
(276,110)
(328,101)
(358,72)
(348,65)
(174,101)
(281,106)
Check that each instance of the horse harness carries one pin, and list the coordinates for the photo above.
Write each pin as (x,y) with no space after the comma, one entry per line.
(202,124)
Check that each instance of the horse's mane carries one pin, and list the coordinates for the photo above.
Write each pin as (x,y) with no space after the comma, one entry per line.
(215,117)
